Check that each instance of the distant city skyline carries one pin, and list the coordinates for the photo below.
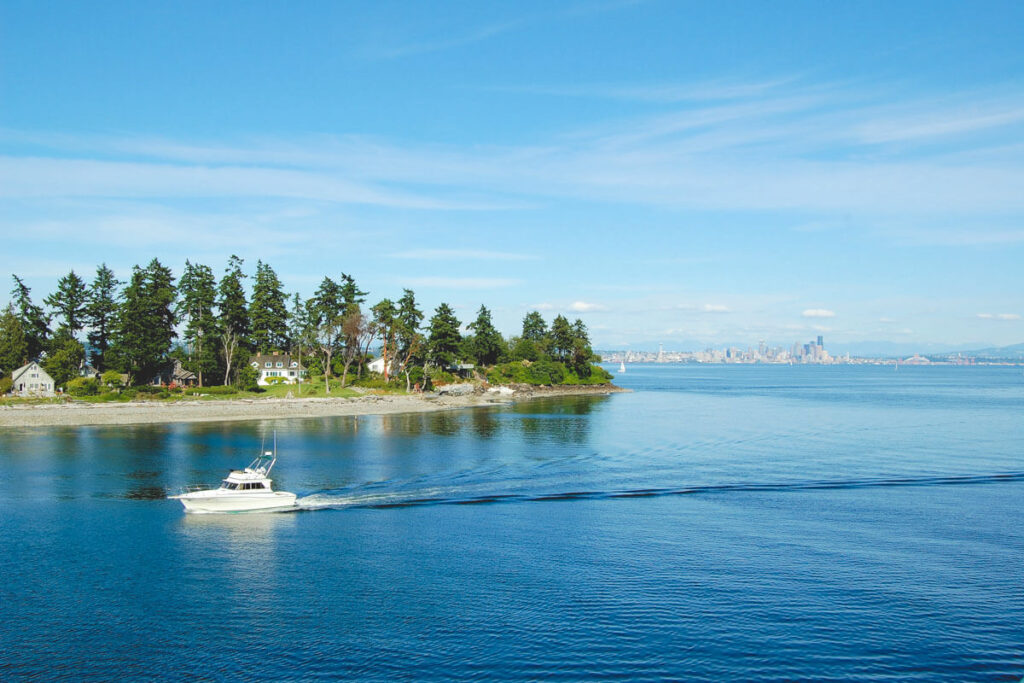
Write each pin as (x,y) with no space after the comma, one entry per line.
(669,173)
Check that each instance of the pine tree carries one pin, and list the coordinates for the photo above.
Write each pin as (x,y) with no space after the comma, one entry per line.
(146,321)
(410,317)
(268,314)
(348,291)
(13,345)
(385,319)
(487,344)
(69,303)
(444,338)
(101,314)
(34,322)
(561,337)
(234,316)
(64,357)
(534,327)
(581,352)
(198,292)
(326,303)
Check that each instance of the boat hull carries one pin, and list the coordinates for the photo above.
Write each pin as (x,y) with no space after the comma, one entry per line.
(213,501)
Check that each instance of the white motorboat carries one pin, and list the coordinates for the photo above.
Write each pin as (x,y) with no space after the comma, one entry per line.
(247,490)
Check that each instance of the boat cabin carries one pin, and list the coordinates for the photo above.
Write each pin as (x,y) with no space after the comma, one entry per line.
(245,485)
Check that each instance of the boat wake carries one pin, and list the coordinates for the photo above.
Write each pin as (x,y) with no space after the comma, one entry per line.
(373,497)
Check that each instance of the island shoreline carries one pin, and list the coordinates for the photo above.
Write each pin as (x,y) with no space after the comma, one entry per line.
(236,410)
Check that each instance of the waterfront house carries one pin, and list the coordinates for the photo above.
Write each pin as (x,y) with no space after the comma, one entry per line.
(277,368)
(172,374)
(31,380)
(377,365)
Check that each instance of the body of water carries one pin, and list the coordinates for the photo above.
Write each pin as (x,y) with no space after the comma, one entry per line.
(719,523)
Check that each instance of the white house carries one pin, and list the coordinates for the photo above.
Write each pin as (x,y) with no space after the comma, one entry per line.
(31,380)
(277,368)
(377,365)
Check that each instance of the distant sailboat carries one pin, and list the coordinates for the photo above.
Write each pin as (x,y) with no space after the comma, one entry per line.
(622,366)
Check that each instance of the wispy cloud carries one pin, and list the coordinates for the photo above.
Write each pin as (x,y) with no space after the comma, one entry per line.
(818,313)
(586,307)
(999,316)
(768,145)
(715,308)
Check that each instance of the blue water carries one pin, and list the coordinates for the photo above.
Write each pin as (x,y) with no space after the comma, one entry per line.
(719,523)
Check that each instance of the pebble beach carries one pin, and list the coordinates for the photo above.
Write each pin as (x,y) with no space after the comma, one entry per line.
(155,412)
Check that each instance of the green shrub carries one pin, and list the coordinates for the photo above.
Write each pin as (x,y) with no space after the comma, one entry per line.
(248,378)
(147,389)
(112,379)
(416,375)
(226,390)
(544,372)
(5,385)
(83,386)
(376,381)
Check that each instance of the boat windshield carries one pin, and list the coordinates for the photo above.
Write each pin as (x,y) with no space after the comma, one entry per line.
(228,485)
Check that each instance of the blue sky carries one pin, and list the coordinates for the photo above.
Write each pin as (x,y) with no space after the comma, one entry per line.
(680,173)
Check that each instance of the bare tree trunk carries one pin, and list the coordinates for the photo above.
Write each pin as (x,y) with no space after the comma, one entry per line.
(328,352)
(230,341)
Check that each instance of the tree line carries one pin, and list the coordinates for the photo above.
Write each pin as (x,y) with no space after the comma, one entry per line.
(213,327)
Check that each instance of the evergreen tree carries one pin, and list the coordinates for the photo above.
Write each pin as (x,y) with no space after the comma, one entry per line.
(581,352)
(326,303)
(385,318)
(69,303)
(146,322)
(198,291)
(410,317)
(34,322)
(444,338)
(13,345)
(64,357)
(532,344)
(269,315)
(350,294)
(561,339)
(534,327)
(487,344)
(234,316)
(101,314)
(298,324)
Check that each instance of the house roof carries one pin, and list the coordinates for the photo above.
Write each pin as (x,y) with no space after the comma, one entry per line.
(24,368)
(284,358)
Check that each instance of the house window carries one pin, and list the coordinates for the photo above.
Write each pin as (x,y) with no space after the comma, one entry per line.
(268,364)
(291,373)
(280,364)
(256,365)
(295,364)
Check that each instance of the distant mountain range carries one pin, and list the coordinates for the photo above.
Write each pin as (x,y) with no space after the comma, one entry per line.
(1015,351)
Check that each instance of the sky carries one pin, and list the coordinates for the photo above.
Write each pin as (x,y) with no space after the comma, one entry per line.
(678,173)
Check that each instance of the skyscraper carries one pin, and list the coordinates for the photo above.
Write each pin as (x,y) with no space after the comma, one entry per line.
(820,343)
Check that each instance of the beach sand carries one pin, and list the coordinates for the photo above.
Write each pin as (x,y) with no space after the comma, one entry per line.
(156,412)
